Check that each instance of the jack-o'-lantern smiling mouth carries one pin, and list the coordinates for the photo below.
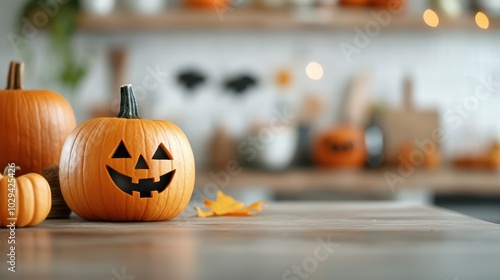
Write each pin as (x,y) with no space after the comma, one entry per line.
(145,187)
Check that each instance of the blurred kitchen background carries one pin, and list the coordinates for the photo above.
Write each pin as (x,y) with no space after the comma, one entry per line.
(290,99)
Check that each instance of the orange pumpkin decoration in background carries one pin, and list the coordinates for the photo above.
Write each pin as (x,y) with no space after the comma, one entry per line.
(389,4)
(413,156)
(35,124)
(343,146)
(220,6)
(354,3)
(31,196)
(125,168)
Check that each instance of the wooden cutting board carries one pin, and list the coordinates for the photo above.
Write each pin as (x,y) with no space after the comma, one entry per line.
(407,124)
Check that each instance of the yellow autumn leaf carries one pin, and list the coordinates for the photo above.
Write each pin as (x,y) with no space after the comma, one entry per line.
(225,205)
(203,214)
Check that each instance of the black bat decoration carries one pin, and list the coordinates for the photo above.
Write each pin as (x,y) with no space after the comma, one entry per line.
(240,84)
(191,79)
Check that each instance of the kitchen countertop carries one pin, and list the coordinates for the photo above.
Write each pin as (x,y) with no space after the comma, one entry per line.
(446,181)
(347,240)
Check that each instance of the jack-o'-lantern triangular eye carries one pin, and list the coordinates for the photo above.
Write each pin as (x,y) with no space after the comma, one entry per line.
(161,153)
(121,151)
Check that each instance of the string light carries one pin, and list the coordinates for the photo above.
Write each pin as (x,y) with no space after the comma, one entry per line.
(482,20)
(314,71)
(431,18)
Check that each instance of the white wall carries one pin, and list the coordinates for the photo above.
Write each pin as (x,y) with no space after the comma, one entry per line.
(447,67)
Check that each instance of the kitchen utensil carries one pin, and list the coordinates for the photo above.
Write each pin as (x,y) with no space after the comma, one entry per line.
(356,102)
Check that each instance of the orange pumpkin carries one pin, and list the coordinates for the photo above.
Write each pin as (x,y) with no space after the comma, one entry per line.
(26,200)
(343,146)
(354,3)
(35,124)
(411,155)
(125,168)
(219,5)
(389,4)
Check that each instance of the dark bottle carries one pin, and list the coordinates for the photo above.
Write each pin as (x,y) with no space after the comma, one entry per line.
(374,142)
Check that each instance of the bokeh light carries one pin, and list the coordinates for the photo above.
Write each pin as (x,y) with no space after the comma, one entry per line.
(314,71)
(482,20)
(431,18)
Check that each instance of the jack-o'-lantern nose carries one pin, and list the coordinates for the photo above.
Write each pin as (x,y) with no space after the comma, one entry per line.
(141,163)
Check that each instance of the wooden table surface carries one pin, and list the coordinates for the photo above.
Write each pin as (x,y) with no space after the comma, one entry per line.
(366,240)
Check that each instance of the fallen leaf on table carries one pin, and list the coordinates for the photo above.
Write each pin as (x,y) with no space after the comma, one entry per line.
(225,205)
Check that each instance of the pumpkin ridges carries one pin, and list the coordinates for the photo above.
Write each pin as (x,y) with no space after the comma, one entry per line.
(64,180)
(125,129)
(85,147)
(102,126)
(147,205)
(97,131)
(42,198)
(24,141)
(68,188)
(166,201)
(33,199)
(175,130)
(179,146)
(43,139)
(191,166)
(167,211)
(26,205)
(4,213)
(122,206)
(168,198)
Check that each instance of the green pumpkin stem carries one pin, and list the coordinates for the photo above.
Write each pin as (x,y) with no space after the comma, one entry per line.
(128,103)
(15,78)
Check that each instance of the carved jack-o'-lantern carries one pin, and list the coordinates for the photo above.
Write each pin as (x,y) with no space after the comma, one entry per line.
(343,146)
(124,179)
(126,168)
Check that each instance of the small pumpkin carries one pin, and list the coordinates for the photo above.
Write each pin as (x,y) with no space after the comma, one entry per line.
(126,168)
(29,193)
(342,146)
(493,156)
(411,155)
(218,5)
(355,3)
(389,4)
(35,124)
